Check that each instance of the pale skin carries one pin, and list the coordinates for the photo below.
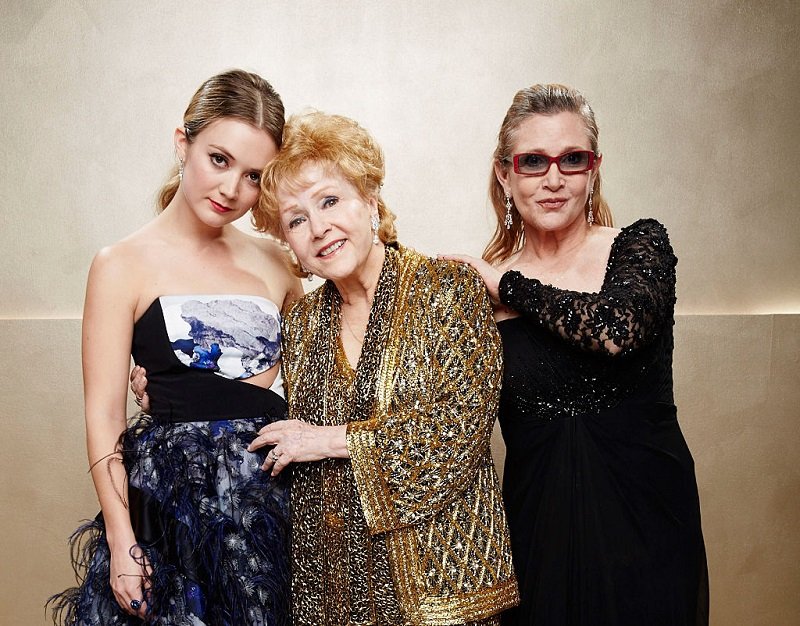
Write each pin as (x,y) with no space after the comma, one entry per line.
(192,247)
(560,247)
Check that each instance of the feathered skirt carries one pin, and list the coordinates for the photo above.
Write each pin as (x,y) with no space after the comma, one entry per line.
(213,526)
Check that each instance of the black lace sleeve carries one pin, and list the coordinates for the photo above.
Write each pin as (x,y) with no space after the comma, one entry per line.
(637,297)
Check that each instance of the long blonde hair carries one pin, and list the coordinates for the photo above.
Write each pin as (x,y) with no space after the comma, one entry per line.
(235,93)
(548,99)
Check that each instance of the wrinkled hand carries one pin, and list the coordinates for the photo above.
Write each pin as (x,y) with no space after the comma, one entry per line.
(138,386)
(130,579)
(296,441)
(490,275)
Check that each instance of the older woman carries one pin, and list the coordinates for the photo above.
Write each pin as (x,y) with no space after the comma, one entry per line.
(392,373)
(599,483)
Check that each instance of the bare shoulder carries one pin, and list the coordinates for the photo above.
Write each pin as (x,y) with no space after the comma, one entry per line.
(274,259)
(605,234)
(271,252)
(273,249)
(113,277)
(122,269)
(122,256)
(508,263)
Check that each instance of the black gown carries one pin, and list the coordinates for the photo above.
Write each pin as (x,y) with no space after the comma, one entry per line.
(599,484)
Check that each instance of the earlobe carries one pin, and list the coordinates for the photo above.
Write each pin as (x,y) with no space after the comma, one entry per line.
(181,142)
(501,173)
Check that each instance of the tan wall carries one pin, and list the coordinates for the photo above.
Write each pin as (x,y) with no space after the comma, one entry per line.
(697,107)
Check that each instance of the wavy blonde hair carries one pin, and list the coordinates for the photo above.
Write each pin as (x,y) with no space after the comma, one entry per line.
(540,99)
(336,142)
(237,94)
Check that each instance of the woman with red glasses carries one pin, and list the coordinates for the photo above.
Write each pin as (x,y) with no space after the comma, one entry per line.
(599,484)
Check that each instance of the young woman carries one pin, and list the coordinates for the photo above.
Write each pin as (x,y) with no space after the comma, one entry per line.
(191,529)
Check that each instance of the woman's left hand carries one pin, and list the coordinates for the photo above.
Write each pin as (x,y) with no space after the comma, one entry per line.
(296,441)
(490,275)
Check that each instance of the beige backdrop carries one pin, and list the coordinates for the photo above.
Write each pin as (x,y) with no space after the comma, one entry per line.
(697,104)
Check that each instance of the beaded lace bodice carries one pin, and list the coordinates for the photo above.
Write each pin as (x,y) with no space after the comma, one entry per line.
(626,326)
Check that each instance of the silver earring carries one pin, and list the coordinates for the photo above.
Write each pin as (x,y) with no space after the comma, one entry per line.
(590,214)
(180,170)
(310,276)
(509,221)
(374,223)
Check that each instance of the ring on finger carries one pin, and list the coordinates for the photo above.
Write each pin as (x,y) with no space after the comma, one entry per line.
(274,456)
(136,604)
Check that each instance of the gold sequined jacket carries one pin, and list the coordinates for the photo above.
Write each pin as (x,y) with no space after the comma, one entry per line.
(426,498)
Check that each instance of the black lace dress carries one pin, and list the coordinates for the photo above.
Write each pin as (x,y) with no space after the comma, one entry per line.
(599,484)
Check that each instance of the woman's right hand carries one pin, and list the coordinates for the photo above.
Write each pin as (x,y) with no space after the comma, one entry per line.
(138,386)
(130,579)
(490,275)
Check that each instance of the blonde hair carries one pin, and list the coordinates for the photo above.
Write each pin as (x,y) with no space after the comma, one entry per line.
(235,93)
(335,142)
(537,100)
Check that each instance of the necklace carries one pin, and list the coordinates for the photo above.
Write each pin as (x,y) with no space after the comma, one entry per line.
(360,340)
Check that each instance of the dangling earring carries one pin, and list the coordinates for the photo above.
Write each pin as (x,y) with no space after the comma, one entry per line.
(310,276)
(374,223)
(180,170)
(590,214)
(509,221)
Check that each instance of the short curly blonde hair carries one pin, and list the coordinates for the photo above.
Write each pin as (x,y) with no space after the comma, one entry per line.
(336,142)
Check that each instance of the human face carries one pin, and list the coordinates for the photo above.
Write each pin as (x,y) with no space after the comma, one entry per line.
(222,169)
(326,222)
(554,201)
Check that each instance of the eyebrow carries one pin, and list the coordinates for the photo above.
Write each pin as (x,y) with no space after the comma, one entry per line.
(230,157)
(221,149)
(564,151)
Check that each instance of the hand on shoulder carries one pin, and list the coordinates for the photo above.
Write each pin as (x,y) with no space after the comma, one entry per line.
(490,275)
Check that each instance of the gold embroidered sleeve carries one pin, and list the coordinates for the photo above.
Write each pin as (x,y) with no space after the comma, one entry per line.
(300,328)
(437,399)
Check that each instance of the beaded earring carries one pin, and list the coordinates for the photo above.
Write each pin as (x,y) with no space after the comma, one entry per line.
(590,214)
(509,221)
(374,223)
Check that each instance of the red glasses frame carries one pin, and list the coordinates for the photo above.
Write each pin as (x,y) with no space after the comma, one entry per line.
(592,157)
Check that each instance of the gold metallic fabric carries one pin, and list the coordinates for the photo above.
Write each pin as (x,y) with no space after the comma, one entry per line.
(411,529)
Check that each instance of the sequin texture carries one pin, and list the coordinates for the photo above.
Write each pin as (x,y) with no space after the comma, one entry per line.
(411,529)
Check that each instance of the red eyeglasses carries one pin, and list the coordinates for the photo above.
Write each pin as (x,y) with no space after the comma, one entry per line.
(535,164)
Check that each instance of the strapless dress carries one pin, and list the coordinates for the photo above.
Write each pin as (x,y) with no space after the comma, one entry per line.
(213,525)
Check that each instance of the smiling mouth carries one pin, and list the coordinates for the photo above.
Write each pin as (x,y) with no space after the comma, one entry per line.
(331,248)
